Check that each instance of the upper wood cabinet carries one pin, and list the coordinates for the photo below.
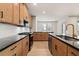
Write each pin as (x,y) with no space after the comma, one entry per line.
(6,12)
(16,14)
(24,14)
(21,13)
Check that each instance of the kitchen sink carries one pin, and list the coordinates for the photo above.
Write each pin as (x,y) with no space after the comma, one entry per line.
(66,37)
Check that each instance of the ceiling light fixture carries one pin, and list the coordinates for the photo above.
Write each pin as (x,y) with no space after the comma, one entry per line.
(44,12)
(34,4)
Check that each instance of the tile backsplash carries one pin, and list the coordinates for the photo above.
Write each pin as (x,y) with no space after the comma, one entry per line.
(9,30)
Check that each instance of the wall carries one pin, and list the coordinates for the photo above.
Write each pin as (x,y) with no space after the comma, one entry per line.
(60,22)
(9,30)
(33,24)
(44,19)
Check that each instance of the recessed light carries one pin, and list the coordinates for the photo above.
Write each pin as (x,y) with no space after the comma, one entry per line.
(34,4)
(44,12)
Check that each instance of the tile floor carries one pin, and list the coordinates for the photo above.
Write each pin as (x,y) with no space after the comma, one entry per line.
(39,48)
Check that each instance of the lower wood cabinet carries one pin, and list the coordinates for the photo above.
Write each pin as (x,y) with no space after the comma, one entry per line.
(54,52)
(9,51)
(40,36)
(18,49)
(72,51)
(58,48)
(61,48)
(25,46)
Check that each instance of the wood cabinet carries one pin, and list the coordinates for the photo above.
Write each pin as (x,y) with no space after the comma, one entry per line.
(54,49)
(16,13)
(25,15)
(61,48)
(21,13)
(8,51)
(40,36)
(58,48)
(72,51)
(14,50)
(25,46)
(18,49)
(6,12)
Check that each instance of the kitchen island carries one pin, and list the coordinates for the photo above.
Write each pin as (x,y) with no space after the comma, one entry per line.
(64,46)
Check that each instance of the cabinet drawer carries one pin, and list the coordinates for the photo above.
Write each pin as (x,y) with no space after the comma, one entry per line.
(9,51)
(72,51)
(18,49)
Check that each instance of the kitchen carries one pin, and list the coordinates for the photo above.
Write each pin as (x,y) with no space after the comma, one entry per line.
(39,29)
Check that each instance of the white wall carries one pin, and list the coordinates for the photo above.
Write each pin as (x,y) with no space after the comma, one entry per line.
(9,30)
(33,24)
(59,24)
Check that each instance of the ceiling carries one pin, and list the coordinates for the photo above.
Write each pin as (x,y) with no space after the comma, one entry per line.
(54,9)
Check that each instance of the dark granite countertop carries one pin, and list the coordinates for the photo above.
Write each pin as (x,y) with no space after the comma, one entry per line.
(8,41)
(70,41)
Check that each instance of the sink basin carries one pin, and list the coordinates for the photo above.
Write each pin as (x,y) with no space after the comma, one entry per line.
(66,37)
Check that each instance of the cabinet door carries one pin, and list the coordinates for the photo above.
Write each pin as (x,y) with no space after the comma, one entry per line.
(25,46)
(35,36)
(61,48)
(45,36)
(18,49)
(58,48)
(54,46)
(26,14)
(16,12)
(10,51)
(21,13)
(6,12)
(72,51)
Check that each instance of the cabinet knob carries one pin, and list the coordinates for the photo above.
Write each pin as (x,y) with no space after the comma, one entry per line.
(14,54)
(55,47)
(1,14)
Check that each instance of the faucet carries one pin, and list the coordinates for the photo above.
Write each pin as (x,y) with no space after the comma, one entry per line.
(72,28)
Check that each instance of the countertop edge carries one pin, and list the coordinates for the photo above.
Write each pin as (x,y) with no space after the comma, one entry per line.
(12,43)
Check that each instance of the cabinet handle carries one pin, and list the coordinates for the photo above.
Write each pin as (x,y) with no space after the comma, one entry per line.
(26,44)
(74,54)
(55,47)
(14,54)
(1,14)
(13,48)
